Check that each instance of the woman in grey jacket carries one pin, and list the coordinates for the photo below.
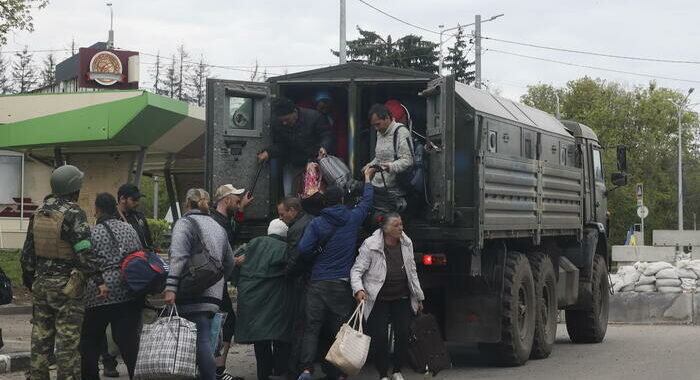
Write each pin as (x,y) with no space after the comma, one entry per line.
(198,308)
(385,277)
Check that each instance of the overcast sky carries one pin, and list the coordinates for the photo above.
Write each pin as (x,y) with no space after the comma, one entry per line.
(301,32)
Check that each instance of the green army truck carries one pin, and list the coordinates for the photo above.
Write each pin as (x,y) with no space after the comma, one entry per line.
(513,225)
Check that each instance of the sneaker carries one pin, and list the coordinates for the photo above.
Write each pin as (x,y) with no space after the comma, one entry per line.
(397,376)
(227,376)
(306,375)
(384,378)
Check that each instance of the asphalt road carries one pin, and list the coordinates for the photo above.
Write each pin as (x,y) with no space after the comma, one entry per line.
(628,352)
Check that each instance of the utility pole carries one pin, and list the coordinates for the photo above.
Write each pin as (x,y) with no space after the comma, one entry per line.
(110,38)
(342,49)
(440,46)
(681,107)
(477,51)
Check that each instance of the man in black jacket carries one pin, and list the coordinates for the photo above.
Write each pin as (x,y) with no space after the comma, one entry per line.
(298,135)
(128,197)
(228,211)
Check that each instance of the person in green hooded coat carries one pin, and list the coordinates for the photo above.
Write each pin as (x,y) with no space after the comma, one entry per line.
(265,300)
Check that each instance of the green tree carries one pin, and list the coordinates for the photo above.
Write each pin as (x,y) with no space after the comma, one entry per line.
(644,120)
(408,52)
(542,96)
(197,81)
(456,60)
(23,71)
(48,73)
(5,85)
(146,204)
(17,15)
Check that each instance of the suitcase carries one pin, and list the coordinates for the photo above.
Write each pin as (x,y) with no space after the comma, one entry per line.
(426,350)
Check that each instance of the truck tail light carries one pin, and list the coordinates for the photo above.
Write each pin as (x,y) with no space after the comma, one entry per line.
(438,259)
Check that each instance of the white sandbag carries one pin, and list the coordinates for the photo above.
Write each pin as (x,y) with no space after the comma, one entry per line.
(694,265)
(627,287)
(640,265)
(666,282)
(666,273)
(670,289)
(689,284)
(653,268)
(645,288)
(686,273)
(646,280)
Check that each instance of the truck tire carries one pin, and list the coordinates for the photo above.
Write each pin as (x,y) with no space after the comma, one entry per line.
(589,326)
(518,314)
(547,305)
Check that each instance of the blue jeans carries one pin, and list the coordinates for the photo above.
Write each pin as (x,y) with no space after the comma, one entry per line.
(205,357)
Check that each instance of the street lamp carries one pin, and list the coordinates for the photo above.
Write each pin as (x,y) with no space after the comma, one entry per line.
(443,30)
(680,107)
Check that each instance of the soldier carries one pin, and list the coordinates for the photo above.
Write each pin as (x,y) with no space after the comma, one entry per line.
(57,259)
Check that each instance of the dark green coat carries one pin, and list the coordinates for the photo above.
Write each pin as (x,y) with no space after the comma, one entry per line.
(265,297)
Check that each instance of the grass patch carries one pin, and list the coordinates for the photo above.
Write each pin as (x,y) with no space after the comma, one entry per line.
(9,262)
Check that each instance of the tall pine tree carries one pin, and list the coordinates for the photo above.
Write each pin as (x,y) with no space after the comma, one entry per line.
(183,67)
(198,82)
(156,75)
(5,85)
(171,82)
(23,71)
(456,60)
(48,73)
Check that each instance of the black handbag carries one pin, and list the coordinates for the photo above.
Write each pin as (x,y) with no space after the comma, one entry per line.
(5,288)
(202,270)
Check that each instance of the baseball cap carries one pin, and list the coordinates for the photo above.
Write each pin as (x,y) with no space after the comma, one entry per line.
(129,190)
(225,190)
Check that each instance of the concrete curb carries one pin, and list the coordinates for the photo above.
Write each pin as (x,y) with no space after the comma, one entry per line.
(15,309)
(655,308)
(14,362)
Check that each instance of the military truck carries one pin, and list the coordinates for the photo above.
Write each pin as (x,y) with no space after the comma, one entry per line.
(513,226)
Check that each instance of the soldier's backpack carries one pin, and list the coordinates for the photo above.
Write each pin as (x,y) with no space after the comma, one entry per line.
(426,350)
(5,288)
(144,271)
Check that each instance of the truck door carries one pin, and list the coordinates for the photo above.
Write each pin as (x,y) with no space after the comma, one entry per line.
(599,191)
(440,99)
(238,128)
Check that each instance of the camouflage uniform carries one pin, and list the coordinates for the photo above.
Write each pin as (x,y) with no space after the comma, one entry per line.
(57,317)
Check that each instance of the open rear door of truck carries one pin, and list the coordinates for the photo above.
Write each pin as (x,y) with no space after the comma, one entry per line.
(440,102)
(238,128)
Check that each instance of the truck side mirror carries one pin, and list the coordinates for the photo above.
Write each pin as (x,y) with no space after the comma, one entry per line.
(622,158)
(618,179)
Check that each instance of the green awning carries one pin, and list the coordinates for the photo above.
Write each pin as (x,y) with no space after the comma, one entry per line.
(94,119)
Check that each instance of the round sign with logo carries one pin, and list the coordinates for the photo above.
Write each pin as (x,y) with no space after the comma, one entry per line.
(105,68)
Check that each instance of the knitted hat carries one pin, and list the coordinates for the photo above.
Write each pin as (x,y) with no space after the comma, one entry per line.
(278,227)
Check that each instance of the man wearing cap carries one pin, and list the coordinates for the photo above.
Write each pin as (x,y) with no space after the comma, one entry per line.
(228,211)
(298,135)
(57,259)
(128,197)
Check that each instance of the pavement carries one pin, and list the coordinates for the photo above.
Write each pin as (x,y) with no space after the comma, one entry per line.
(628,352)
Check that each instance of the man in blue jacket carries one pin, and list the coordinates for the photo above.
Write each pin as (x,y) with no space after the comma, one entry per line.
(329,294)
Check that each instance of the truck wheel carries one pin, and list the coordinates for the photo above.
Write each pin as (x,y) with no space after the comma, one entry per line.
(589,326)
(547,305)
(518,314)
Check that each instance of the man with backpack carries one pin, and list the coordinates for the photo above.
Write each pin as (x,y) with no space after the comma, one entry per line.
(330,242)
(393,154)
(128,197)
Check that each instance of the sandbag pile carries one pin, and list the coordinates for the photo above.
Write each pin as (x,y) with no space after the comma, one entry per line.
(663,277)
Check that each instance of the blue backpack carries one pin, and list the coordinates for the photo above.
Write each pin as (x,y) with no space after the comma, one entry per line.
(144,271)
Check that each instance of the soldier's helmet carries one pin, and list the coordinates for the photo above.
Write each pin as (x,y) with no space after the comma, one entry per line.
(66,179)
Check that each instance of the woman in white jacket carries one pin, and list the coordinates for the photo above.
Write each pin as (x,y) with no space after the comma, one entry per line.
(385,277)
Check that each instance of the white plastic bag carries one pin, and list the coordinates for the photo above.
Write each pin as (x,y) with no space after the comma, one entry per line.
(669,273)
(349,351)
(653,268)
